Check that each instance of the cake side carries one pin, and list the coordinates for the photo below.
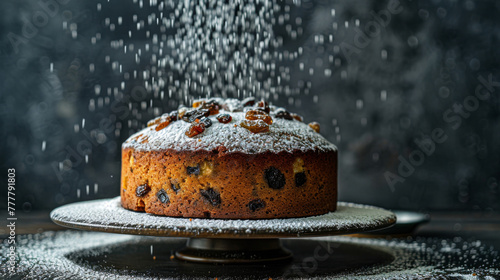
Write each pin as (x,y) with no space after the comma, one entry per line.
(215,184)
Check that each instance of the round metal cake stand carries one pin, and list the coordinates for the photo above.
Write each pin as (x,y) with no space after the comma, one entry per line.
(218,240)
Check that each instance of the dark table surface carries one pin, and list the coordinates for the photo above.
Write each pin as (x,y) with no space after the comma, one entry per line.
(444,225)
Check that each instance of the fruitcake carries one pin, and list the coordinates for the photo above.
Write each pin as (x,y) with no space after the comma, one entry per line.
(229,159)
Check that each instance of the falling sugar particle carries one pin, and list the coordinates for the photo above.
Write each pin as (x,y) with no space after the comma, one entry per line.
(203,59)
(343,74)
(78,193)
(83,123)
(338,62)
(86,158)
(87,189)
(51,67)
(96,188)
(43,146)
(97,89)
(364,121)
(383,54)
(413,41)
(359,104)
(383,95)
(151,249)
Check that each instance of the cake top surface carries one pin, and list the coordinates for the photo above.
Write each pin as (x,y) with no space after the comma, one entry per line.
(274,129)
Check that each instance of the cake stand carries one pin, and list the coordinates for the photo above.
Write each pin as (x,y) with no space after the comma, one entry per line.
(219,240)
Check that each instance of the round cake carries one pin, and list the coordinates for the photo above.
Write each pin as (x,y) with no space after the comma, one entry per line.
(229,159)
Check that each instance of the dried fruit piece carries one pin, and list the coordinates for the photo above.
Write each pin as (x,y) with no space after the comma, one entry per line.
(191,116)
(249,101)
(298,165)
(162,125)
(164,120)
(283,114)
(263,106)
(211,196)
(174,115)
(314,126)
(193,170)
(154,121)
(195,129)
(181,112)
(297,117)
(175,187)
(224,118)
(198,103)
(206,122)
(211,105)
(140,205)
(206,168)
(255,126)
(300,179)
(258,115)
(162,196)
(256,204)
(274,178)
(142,190)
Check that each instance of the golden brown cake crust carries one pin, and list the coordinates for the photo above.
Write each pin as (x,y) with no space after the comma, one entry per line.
(229,185)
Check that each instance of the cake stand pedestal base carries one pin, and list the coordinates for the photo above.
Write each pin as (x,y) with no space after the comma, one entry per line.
(219,250)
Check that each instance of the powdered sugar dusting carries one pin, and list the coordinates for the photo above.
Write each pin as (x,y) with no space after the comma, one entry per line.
(283,136)
(109,215)
(63,255)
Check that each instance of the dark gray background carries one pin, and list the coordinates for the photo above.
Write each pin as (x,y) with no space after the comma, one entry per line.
(427,58)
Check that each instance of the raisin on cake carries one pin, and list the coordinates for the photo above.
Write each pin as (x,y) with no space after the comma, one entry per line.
(231,159)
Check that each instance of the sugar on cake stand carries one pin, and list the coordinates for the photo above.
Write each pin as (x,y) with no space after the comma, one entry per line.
(220,240)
